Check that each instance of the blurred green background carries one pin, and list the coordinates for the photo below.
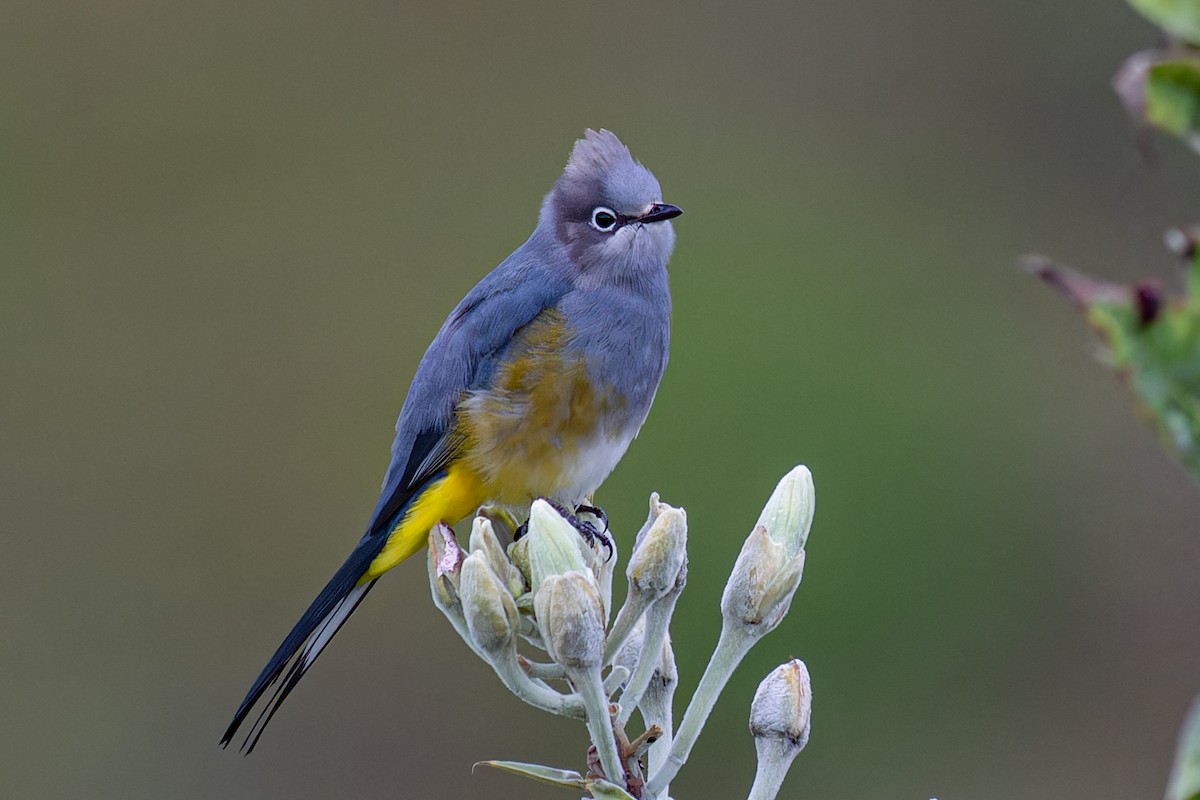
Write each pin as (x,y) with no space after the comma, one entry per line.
(228,230)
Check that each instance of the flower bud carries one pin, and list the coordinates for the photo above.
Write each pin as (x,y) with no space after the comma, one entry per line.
(660,554)
(788,514)
(760,588)
(768,570)
(503,522)
(554,546)
(490,612)
(518,556)
(656,508)
(570,615)
(782,706)
(444,561)
(485,542)
(779,720)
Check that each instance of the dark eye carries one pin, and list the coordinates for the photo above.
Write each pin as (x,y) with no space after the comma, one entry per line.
(604,219)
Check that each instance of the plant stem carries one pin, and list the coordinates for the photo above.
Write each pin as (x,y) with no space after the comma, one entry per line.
(658,618)
(768,778)
(599,722)
(627,617)
(657,707)
(536,693)
(617,678)
(542,670)
(731,648)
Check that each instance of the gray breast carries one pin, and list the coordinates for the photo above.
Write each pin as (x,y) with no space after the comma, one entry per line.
(625,336)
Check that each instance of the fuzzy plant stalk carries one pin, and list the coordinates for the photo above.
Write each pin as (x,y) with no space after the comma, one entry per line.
(539,609)
(657,706)
(756,599)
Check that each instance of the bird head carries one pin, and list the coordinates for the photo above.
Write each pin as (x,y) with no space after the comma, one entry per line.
(607,210)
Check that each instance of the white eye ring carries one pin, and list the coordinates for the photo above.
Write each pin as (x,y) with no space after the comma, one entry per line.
(604,219)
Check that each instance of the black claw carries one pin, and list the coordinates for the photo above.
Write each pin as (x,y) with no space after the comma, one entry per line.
(521,531)
(602,535)
(607,541)
(596,512)
(586,529)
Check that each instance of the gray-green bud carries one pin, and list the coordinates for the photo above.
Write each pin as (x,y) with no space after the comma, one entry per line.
(445,560)
(485,542)
(788,514)
(761,586)
(570,615)
(491,613)
(782,707)
(779,719)
(660,555)
(554,547)
(771,563)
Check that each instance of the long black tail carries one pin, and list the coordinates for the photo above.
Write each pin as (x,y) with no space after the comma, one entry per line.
(308,638)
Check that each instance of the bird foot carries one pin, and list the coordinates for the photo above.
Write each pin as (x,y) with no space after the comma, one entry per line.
(587,530)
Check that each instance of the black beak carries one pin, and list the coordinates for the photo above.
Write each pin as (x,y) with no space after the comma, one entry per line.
(659,212)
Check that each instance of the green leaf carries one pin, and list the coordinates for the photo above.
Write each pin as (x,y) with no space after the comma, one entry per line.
(1153,345)
(603,790)
(1173,97)
(1185,775)
(568,779)
(1178,17)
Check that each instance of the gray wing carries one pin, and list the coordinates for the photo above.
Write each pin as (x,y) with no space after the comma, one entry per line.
(461,357)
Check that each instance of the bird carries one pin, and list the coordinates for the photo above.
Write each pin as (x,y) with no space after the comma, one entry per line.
(533,387)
